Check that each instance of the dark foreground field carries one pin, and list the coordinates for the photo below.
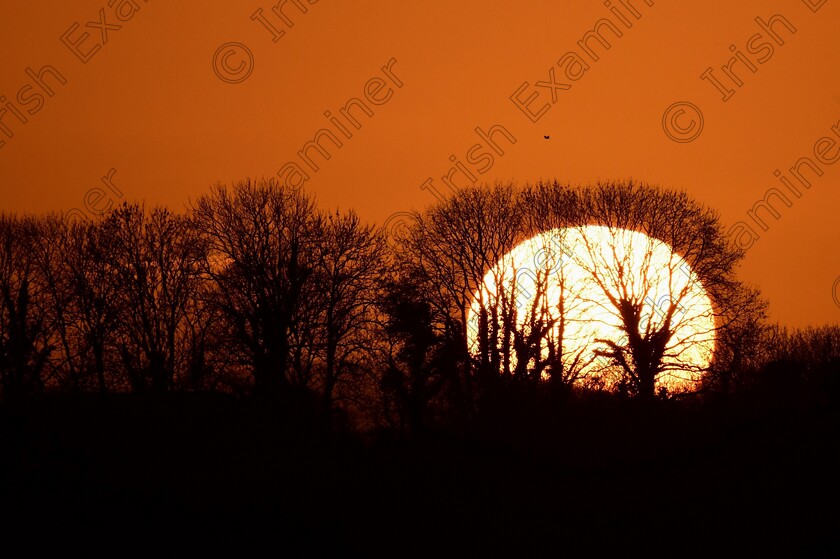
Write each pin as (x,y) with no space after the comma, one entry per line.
(210,472)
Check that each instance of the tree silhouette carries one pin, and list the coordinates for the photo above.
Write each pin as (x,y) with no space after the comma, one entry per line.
(528,318)
(24,334)
(50,253)
(156,262)
(296,288)
(84,302)
(741,342)
(262,241)
(445,254)
(798,367)
(422,365)
(647,351)
(257,289)
(350,265)
(527,314)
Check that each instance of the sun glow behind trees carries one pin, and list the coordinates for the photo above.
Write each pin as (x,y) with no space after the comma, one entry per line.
(593,304)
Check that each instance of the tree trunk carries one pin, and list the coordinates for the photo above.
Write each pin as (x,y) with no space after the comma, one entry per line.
(647,384)
(99,363)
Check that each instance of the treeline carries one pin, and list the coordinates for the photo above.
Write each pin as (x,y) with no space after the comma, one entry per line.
(255,290)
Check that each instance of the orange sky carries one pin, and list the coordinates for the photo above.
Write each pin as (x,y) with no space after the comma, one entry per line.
(143,97)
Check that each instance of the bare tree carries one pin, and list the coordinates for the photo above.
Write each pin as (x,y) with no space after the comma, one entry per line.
(350,266)
(560,354)
(445,254)
(24,330)
(509,315)
(741,344)
(156,262)
(262,240)
(627,278)
(50,255)
(529,314)
(650,264)
(96,303)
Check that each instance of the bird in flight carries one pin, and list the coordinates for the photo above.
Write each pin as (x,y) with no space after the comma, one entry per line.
(546,137)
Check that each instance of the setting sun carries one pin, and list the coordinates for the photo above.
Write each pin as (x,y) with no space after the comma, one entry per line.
(586,295)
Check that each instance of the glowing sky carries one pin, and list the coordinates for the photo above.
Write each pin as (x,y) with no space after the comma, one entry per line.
(150,105)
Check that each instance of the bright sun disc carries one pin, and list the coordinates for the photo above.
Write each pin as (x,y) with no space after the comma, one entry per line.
(570,282)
